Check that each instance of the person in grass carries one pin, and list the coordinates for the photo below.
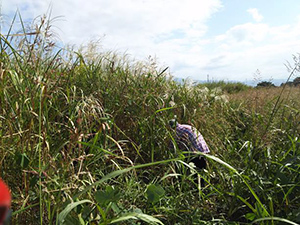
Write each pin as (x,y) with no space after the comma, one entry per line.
(5,202)
(188,138)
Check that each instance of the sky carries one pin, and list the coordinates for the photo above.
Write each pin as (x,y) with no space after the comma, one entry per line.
(229,40)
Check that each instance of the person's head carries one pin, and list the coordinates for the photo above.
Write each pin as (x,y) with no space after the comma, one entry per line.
(173,123)
(5,201)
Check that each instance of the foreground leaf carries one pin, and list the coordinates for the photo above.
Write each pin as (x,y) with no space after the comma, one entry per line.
(137,216)
(276,219)
(154,193)
(109,195)
(68,209)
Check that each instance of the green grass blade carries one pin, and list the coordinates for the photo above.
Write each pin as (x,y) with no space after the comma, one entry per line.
(137,216)
(120,172)
(236,172)
(276,219)
(68,209)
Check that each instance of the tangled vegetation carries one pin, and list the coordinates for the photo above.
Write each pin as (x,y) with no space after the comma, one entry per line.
(84,140)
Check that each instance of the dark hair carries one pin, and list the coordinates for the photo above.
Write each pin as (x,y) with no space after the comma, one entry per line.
(173,123)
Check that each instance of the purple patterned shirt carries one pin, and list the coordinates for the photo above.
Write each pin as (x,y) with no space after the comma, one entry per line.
(191,138)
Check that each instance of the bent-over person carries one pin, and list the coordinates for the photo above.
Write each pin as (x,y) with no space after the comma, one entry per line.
(188,138)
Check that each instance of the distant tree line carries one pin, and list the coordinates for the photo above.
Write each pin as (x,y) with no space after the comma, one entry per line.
(265,84)
(294,83)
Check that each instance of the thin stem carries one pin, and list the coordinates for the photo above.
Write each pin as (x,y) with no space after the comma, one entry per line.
(40,155)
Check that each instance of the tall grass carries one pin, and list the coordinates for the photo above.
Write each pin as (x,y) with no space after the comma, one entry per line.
(85,140)
(227,87)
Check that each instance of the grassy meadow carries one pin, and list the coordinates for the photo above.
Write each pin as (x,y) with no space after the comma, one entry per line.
(85,140)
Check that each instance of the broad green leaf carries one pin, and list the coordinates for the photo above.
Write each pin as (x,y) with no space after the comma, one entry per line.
(154,193)
(250,216)
(109,195)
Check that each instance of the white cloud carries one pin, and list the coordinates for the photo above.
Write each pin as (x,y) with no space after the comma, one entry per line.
(244,48)
(166,28)
(147,18)
(245,33)
(255,14)
(174,31)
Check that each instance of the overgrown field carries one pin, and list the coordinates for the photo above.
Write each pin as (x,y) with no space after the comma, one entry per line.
(85,140)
